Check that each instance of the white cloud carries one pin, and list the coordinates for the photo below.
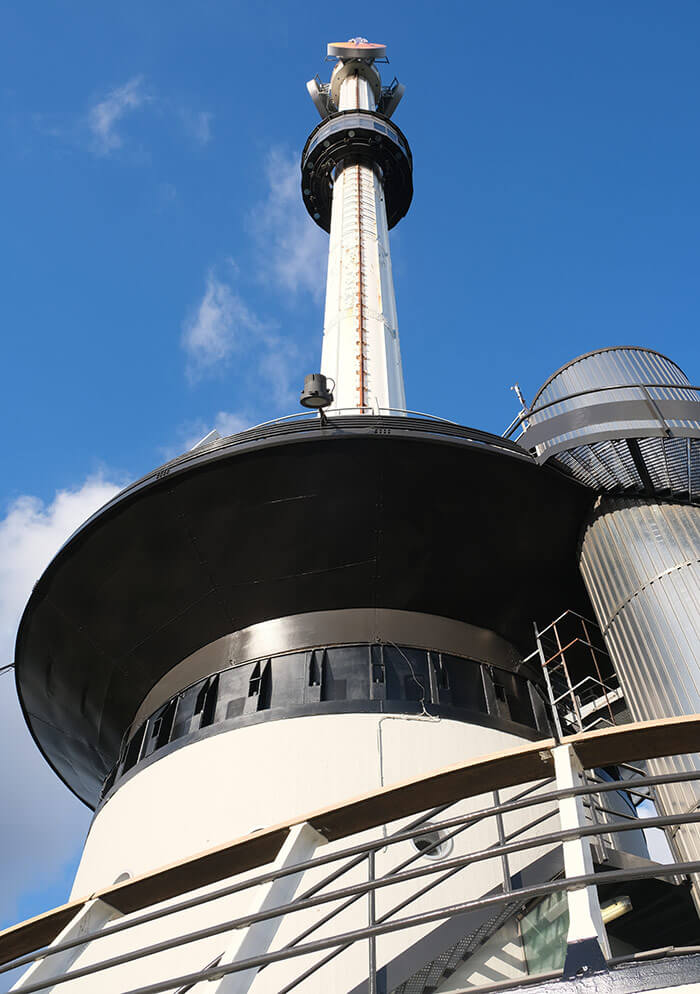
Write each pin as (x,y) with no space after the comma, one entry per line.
(221,325)
(277,366)
(229,423)
(43,825)
(104,116)
(292,250)
(197,124)
(189,434)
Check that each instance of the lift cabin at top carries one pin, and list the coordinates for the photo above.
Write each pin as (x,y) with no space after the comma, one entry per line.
(313,611)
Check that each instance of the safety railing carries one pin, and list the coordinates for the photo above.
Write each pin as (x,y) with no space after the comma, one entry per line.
(569,646)
(519,423)
(550,774)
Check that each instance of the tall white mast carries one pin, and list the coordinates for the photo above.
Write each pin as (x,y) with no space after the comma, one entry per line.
(361,351)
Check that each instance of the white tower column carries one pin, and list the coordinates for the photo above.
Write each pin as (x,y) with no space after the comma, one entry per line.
(360,337)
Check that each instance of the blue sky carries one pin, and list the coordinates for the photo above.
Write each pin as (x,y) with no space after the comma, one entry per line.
(160,276)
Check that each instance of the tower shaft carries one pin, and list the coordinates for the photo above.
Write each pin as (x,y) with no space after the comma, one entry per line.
(361,350)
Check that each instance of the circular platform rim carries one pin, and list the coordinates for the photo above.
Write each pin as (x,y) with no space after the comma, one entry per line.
(266,437)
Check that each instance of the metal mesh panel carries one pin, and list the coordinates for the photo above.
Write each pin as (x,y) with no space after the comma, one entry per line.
(672,465)
(429,976)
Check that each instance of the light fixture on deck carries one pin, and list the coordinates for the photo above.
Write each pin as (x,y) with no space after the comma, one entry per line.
(316,393)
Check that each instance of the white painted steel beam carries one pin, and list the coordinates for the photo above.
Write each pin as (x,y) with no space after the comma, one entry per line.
(585,919)
(258,939)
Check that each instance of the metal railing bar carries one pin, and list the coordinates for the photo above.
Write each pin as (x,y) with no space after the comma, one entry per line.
(346,904)
(387,914)
(660,952)
(360,849)
(451,872)
(371,920)
(635,769)
(618,814)
(392,911)
(407,832)
(188,987)
(600,389)
(508,806)
(574,641)
(522,894)
(363,887)
(631,791)
(355,892)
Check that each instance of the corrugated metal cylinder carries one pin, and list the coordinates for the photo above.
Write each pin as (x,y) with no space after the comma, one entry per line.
(640,561)
(622,420)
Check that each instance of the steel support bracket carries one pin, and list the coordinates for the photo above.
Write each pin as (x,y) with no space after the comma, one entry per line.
(584,958)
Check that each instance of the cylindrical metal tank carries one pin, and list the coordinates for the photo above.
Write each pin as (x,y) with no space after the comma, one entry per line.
(640,560)
(625,422)
(621,420)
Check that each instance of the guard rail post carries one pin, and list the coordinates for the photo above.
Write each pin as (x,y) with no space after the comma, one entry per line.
(587,942)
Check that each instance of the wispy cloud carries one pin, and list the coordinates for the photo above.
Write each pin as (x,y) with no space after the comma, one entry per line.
(197,124)
(44,824)
(105,115)
(104,127)
(276,365)
(292,250)
(191,432)
(221,324)
(229,423)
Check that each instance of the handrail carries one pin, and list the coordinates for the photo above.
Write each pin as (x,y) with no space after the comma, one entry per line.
(525,415)
(508,768)
(395,876)
(474,818)
(519,895)
(360,850)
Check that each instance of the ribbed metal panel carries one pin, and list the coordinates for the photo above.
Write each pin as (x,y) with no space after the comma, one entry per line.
(610,368)
(640,561)
(620,420)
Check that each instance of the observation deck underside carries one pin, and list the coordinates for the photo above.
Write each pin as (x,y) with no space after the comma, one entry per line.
(402,513)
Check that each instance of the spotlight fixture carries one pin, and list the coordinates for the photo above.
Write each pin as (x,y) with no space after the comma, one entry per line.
(316,393)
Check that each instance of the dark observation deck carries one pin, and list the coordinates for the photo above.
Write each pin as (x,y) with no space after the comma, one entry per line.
(401,513)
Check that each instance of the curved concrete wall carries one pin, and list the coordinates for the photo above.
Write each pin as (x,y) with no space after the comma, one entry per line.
(223,787)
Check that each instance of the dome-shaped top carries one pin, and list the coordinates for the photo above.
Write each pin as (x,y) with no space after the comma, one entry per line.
(617,365)
(621,419)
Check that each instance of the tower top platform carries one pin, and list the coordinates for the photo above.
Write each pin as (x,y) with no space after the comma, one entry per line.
(356,48)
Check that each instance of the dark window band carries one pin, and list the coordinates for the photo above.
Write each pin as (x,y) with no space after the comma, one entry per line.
(342,679)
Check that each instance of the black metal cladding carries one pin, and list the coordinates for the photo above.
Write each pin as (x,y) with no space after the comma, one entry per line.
(356,136)
(434,518)
(353,678)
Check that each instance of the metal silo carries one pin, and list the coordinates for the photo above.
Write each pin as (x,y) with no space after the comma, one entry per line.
(626,422)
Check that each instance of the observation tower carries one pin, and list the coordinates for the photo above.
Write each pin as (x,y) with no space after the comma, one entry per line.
(313,678)
(357,184)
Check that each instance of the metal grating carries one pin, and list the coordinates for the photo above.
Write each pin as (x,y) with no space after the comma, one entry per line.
(427,979)
(623,420)
(671,465)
